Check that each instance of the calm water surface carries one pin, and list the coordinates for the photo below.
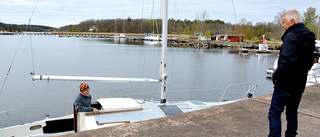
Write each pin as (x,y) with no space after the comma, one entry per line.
(193,74)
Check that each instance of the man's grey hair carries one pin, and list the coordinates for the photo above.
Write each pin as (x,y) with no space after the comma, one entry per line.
(293,14)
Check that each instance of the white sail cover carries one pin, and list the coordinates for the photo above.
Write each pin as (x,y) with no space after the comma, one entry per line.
(112,104)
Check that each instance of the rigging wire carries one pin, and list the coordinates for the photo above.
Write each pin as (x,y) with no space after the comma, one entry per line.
(33,12)
(160,18)
(14,57)
(234,11)
(152,16)
(172,62)
(142,15)
(175,14)
(243,64)
(32,59)
(244,70)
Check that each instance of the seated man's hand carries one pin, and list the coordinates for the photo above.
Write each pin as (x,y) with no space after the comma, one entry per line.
(96,111)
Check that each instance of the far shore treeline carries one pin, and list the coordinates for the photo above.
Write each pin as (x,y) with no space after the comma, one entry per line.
(201,25)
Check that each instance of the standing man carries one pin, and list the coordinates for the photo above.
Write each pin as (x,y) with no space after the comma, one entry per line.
(295,59)
(83,100)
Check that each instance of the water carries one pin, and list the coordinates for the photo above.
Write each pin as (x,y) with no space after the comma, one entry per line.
(193,74)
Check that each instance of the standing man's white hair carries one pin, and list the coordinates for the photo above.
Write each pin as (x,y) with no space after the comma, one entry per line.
(293,14)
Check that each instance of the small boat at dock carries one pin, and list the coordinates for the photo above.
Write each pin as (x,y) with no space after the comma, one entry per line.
(314,72)
(244,50)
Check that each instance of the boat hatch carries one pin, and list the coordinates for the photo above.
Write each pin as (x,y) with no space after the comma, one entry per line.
(198,103)
(112,104)
(169,110)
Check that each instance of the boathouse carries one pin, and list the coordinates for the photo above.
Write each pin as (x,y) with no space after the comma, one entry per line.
(235,38)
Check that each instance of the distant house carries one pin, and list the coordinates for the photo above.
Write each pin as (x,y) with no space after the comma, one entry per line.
(219,37)
(231,37)
(93,29)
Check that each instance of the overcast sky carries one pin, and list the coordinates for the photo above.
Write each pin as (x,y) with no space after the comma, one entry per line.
(57,13)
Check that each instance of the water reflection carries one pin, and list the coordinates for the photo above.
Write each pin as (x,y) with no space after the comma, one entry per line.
(194,74)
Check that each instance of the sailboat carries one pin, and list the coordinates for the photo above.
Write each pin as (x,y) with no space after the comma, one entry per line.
(152,36)
(115,111)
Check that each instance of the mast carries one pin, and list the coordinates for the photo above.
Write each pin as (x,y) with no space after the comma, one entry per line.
(152,16)
(164,50)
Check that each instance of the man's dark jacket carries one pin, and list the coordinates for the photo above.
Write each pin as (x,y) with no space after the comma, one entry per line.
(295,59)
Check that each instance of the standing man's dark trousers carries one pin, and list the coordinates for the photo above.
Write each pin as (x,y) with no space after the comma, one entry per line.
(278,102)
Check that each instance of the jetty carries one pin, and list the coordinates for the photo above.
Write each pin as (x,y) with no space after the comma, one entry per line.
(6,33)
(174,40)
(243,118)
(244,50)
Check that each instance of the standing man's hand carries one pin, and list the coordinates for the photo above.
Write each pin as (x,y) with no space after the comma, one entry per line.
(274,78)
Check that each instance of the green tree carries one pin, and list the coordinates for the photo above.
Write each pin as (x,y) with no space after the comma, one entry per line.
(214,21)
(248,30)
(239,27)
(310,19)
(187,31)
(73,28)
(150,24)
(310,16)
(207,34)
(197,29)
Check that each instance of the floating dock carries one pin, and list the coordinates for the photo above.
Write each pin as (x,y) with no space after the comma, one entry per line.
(258,51)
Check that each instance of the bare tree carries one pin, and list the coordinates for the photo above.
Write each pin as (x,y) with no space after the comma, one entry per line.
(276,29)
(201,18)
(278,17)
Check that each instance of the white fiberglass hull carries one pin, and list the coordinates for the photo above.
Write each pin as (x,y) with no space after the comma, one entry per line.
(88,121)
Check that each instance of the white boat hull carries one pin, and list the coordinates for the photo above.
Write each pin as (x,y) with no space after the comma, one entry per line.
(87,121)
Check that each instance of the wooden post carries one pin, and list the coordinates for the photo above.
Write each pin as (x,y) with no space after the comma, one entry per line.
(75,119)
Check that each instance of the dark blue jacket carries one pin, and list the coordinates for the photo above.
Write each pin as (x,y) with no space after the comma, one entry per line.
(295,59)
(83,103)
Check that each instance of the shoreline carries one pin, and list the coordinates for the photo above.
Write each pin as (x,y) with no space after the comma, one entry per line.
(173,41)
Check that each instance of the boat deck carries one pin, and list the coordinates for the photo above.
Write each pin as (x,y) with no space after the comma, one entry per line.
(243,118)
(145,110)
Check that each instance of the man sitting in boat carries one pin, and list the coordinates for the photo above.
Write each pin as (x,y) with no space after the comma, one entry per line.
(83,100)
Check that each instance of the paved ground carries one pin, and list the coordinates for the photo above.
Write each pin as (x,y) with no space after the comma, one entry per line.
(243,118)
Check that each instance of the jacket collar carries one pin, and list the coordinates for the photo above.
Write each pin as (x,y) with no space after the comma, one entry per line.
(290,29)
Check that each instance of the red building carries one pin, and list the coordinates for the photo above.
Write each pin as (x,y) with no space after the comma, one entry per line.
(231,37)
(235,38)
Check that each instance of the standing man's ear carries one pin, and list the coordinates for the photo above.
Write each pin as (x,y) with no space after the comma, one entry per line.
(293,21)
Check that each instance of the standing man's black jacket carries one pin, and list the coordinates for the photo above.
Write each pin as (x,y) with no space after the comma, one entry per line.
(295,59)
